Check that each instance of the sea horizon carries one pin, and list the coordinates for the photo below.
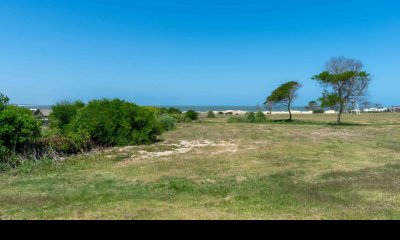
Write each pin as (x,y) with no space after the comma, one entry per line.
(199,108)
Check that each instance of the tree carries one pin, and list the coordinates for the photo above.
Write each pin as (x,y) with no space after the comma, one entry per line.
(284,95)
(344,82)
(3,102)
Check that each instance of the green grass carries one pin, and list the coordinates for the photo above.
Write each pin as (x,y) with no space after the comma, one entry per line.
(308,169)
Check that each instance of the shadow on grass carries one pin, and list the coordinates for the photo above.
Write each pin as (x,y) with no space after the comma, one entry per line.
(304,122)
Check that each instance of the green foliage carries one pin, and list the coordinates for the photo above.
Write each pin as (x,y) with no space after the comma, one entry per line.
(260,117)
(171,110)
(63,113)
(167,122)
(330,100)
(193,115)
(343,82)
(250,117)
(4,100)
(210,114)
(71,143)
(284,94)
(319,110)
(116,122)
(18,127)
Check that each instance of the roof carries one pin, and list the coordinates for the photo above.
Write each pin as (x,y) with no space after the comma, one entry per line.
(43,112)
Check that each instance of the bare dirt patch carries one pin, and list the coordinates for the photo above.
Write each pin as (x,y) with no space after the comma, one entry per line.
(223,147)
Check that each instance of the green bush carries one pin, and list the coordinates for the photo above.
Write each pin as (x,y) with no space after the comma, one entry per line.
(116,122)
(63,113)
(18,127)
(319,110)
(171,110)
(3,102)
(167,122)
(250,117)
(183,118)
(210,114)
(65,144)
(260,117)
(193,115)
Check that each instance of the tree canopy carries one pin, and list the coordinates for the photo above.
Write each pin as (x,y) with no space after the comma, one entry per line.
(284,95)
(343,82)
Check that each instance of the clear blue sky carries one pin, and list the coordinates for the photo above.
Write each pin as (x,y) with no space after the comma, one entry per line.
(209,52)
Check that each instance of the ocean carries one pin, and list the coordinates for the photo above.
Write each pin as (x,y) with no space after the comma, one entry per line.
(199,108)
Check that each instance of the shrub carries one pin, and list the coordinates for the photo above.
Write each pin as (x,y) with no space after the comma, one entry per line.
(18,127)
(210,114)
(66,144)
(63,113)
(319,110)
(116,122)
(3,102)
(193,115)
(249,117)
(172,110)
(260,117)
(167,122)
(229,113)
(183,118)
(221,113)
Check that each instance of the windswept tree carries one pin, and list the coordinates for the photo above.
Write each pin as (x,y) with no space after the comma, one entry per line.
(284,95)
(344,81)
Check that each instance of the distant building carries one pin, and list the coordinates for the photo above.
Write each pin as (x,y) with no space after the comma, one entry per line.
(375,110)
(42,114)
(394,109)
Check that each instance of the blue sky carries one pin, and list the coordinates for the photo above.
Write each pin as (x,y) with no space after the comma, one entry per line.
(158,52)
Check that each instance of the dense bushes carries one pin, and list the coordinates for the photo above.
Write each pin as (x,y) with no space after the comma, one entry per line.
(18,127)
(75,127)
(249,117)
(319,110)
(116,122)
(193,115)
(63,113)
(260,117)
(167,122)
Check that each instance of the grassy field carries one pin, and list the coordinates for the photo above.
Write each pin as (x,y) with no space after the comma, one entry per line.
(308,169)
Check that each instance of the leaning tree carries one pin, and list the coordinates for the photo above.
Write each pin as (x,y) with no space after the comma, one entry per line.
(344,82)
(284,95)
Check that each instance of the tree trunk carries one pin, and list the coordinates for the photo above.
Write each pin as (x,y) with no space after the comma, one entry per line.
(341,106)
(290,113)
